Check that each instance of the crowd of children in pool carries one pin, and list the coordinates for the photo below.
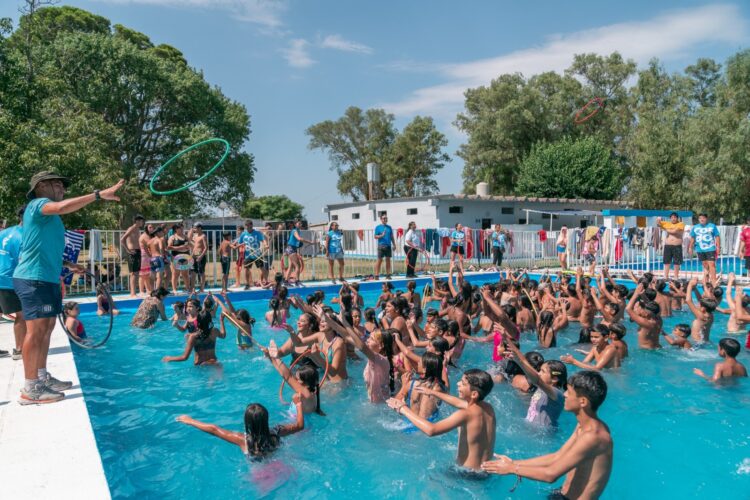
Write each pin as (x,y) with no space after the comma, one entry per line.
(408,360)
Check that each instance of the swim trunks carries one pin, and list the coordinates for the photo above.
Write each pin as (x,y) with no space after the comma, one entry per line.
(157,264)
(134,261)
(384,252)
(225,262)
(673,254)
(706,256)
(199,265)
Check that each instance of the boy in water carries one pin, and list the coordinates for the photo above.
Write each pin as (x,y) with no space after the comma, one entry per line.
(647,316)
(704,313)
(586,457)
(679,337)
(730,367)
(475,418)
(602,353)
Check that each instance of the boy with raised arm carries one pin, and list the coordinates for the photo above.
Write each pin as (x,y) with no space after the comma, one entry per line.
(475,418)
(704,313)
(586,458)
(730,367)
(648,318)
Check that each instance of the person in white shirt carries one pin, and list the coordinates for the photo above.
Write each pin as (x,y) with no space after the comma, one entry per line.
(412,247)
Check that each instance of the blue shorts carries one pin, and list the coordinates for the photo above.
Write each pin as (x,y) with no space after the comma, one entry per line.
(39,299)
(561,249)
(157,264)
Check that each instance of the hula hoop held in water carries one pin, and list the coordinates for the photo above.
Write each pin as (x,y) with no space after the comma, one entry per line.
(100,287)
(294,363)
(182,262)
(589,110)
(227,149)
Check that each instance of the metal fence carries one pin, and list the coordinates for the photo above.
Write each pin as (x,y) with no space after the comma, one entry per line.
(525,249)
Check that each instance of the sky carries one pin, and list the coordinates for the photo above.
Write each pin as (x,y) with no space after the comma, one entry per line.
(294,63)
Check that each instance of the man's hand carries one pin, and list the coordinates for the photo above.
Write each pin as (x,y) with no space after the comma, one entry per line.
(110,193)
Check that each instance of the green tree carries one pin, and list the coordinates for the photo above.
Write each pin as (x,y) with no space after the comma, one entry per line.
(276,208)
(100,105)
(568,168)
(408,160)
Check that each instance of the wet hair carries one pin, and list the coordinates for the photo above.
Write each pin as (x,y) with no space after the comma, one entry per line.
(683,328)
(278,278)
(510,311)
(708,304)
(208,303)
(309,377)
(602,329)
(387,339)
(590,385)
(584,336)
(274,304)
(411,285)
(310,299)
(160,293)
(440,345)
(195,302)
(244,316)
(651,307)
(618,329)
(621,290)
(258,437)
(204,325)
(179,305)
(572,290)
(346,302)
(559,370)
(388,285)
(480,381)
(371,315)
(69,306)
(442,325)
(730,347)
(614,306)
(661,285)
(546,319)
(649,294)
(648,276)
(453,328)
(283,292)
(431,311)
(433,367)
(319,295)
(718,293)
(314,322)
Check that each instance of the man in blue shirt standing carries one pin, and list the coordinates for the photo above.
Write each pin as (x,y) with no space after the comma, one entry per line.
(10,248)
(36,279)
(705,239)
(255,246)
(386,245)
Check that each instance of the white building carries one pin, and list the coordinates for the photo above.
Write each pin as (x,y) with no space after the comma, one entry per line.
(475,211)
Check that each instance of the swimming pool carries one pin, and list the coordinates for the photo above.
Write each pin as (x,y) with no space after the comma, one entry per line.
(675,435)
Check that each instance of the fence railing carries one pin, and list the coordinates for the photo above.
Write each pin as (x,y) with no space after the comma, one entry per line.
(525,249)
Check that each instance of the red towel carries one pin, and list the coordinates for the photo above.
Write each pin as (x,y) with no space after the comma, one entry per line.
(446,244)
(542,235)
(399,232)
(361,235)
(469,249)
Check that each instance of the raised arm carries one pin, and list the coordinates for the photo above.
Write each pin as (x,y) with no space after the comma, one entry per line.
(237,438)
(689,298)
(74,204)
(630,308)
(531,373)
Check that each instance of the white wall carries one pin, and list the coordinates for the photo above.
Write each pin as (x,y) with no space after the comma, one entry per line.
(396,210)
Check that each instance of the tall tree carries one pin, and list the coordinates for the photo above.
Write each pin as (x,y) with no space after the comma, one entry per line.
(109,104)
(408,160)
(568,168)
(272,208)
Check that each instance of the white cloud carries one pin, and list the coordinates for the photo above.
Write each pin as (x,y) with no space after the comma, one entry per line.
(297,54)
(265,13)
(337,42)
(667,36)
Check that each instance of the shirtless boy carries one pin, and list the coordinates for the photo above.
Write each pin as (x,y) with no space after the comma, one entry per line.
(586,457)
(648,318)
(200,247)
(602,353)
(129,240)
(475,418)
(730,367)
(704,314)
(156,249)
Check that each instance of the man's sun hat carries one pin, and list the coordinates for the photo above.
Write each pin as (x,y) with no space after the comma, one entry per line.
(44,175)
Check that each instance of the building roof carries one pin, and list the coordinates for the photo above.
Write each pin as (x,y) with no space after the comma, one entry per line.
(474,197)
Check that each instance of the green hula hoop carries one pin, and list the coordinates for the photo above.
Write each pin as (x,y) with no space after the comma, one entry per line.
(193,183)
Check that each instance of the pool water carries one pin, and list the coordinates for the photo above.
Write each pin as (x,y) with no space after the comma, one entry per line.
(675,435)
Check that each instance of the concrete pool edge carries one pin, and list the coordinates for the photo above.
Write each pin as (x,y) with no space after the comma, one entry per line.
(47,451)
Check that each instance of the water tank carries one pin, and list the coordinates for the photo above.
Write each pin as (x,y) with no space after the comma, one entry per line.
(483,189)
(373,172)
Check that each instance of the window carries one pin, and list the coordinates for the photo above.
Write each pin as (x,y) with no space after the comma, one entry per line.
(455,210)
(486,223)
(355,216)
(411,211)
(507,210)
(334,217)
(546,216)
(522,221)
(382,213)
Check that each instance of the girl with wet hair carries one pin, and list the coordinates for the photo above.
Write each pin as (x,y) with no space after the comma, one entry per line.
(202,341)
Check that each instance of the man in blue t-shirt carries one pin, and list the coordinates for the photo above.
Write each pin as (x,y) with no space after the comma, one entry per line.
(705,239)
(36,279)
(386,245)
(255,253)
(10,249)
(498,246)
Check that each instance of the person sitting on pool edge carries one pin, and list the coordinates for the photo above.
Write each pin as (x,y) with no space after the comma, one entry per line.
(586,457)
(203,341)
(258,440)
(475,418)
(730,367)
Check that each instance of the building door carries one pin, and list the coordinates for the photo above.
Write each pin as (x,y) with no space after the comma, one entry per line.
(486,223)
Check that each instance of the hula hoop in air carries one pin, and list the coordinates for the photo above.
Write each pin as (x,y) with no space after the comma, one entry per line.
(199,179)
(320,384)
(578,119)
(105,291)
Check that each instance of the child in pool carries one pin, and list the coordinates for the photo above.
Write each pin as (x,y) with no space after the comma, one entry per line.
(429,374)
(242,320)
(730,367)
(258,440)
(703,312)
(304,381)
(474,419)
(179,312)
(103,304)
(680,336)
(603,354)
(586,458)
(617,332)
(72,323)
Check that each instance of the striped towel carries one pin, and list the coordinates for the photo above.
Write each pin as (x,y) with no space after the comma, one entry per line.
(73,246)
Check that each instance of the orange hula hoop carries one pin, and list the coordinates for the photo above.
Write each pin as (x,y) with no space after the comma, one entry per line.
(578,119)
(294,363)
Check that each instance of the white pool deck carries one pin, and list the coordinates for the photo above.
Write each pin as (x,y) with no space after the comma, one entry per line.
(49,451)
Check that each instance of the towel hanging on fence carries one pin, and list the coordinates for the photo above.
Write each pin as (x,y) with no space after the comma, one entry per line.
(96,252)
